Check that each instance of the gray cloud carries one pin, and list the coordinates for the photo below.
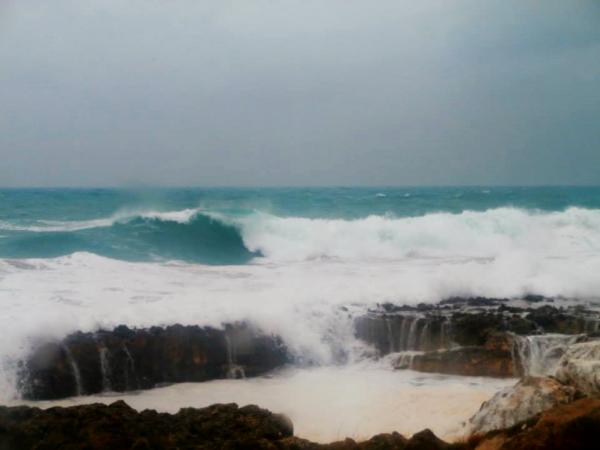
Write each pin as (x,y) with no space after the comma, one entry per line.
(263,92)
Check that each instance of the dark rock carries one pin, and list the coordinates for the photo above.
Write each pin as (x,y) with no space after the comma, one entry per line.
(384,441)
(117,426)
(473,301)
(426,440)
(468,322)
(49,371)
(128,359)
(554,320)
(474,329)
(531,298)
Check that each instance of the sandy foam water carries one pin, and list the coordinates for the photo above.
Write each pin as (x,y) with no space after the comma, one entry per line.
(330,403)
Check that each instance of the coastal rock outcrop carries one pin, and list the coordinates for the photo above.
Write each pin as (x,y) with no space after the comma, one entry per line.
(519,403)
(469,322)
(575,426)
(468,361)
(478,336)
(117,426)
(126,359)
(580,367)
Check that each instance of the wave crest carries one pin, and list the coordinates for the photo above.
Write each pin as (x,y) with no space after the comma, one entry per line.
(187,235)
(470,234)
(215,238)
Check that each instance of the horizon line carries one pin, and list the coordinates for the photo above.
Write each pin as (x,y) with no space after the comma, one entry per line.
(323,186)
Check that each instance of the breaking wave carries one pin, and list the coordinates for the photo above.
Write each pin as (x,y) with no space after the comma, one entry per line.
(195,235)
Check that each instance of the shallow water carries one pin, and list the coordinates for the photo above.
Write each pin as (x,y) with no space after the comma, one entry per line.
(330,403)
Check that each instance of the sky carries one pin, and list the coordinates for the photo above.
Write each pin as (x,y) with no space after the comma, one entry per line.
(299,92)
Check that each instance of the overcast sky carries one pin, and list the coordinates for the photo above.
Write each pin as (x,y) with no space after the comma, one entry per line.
(305,92)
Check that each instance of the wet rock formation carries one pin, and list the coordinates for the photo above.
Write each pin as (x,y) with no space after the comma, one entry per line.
(516,404)
(117,426)
(120,427)
(468,361)
(128,359)
(580,367)
(539,355)
(575,426)
(478,336)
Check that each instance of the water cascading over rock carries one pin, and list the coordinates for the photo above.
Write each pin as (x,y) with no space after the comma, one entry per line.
(539,355)
(400,333)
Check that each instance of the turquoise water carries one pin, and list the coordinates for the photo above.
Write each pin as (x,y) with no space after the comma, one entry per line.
(207,225)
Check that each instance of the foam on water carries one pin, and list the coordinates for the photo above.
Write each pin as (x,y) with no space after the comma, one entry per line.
(302,302)
(331,403)
(489,234)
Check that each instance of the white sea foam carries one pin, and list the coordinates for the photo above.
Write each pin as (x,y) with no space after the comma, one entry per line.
(182,216)
(331,403)
(310,268)
(490,234)
(49,226)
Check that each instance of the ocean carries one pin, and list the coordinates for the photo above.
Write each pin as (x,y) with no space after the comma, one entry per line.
(298,262)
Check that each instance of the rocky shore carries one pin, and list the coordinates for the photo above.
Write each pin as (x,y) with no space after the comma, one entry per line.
(552,346)
(472,336)
(574,426)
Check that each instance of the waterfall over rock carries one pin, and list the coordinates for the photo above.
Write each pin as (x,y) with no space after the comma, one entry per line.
(104,367)
(234,370)
(74,369)
(539,355)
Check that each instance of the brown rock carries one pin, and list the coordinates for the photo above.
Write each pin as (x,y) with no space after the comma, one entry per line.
(519,403)
(470,361)
(575,426)
(117,426)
